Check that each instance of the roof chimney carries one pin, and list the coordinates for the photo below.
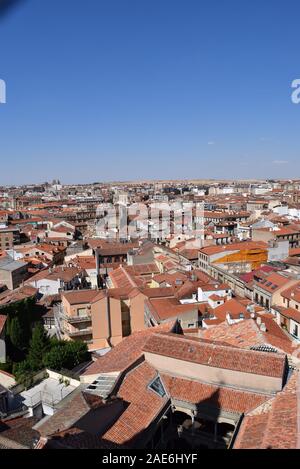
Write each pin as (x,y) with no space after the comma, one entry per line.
(258,321)
(263,327)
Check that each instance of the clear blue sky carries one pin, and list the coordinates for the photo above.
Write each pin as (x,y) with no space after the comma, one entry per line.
(125,89)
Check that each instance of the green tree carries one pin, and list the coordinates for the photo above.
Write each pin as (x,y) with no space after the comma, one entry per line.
(20,316)
(39,345)
(65,354)
(56,358)
(16,334)
(23,373)
(78,352)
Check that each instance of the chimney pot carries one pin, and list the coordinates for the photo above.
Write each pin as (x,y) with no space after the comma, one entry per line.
(263,327)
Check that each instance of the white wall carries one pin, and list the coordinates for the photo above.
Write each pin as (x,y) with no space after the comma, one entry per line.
(2,350)
(279,252)
(281,210)
(294,212)
(46,286)
(204,295)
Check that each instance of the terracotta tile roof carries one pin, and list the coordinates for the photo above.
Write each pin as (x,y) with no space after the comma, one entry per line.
(76,438)
(144,406)
(273,282)
(292,293)
(141,269)
(167,308)
(110,248)
(60,272)
(118,293)
(80,296)
(186,290)
(170,278)
(274,425)
(121,278)
(163,292)
(19,430)
(289,313)
(216,286)
(220,397)
(12,296)
(72,409)
(85,262)
(248,277)
(246,334)
(189,253)
(62,229)
(215,297)
(126,352)
(50,249)
(294,252)
(233,307)
(219,356)
(242,246)
(287,231)
(204,309)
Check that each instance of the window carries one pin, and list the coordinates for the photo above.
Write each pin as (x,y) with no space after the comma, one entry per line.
(295,332)
(81,312)
(158,387)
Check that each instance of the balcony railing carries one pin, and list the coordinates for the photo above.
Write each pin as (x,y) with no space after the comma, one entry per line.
(77,319)
(87,331)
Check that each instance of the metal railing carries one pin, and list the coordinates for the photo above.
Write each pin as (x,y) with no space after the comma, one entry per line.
(80,332)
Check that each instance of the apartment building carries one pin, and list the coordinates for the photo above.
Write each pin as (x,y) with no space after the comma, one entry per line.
(9,237)
(12,273)
(288,319)
(237,257)
(290,233)
(56,279)
(268,289)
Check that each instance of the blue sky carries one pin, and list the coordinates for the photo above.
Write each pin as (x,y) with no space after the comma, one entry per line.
(102,90)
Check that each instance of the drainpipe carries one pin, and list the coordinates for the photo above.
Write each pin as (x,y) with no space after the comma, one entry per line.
(216,432)
(97,266)
(193,422)
(108,318)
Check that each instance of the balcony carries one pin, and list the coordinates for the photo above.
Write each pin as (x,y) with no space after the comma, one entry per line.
(79,332)
(77,319)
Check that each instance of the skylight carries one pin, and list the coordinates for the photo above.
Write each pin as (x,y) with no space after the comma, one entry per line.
(157,386)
